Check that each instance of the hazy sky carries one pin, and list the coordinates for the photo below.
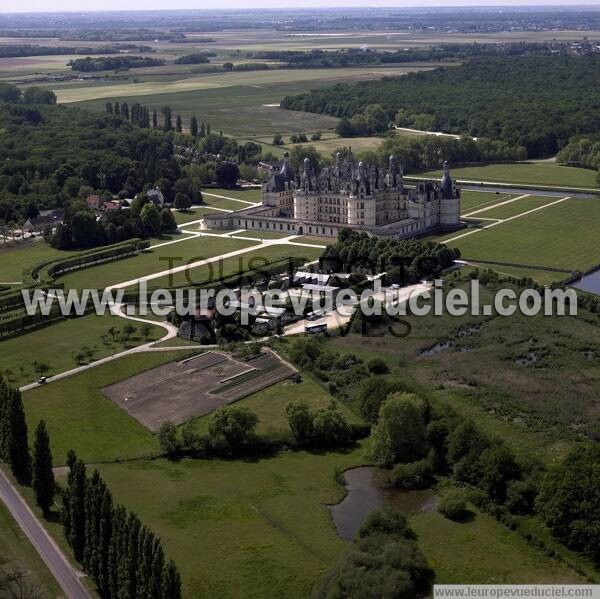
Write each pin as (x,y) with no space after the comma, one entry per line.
(87,5)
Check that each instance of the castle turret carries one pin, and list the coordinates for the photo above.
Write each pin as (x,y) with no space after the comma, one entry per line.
(446,182)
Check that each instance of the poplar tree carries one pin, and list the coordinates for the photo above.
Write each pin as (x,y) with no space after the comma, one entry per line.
(125,111)
(154,119)
(43,477)
(18,448)
(194,126)
(203,130)
(178,124)
(171,582)
(76,510)
(109,108)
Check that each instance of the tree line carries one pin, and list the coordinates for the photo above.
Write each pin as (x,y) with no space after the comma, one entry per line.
(537,102)
(113,63)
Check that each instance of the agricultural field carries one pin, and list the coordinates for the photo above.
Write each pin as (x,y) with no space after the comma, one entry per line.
(58,345)
(545,174)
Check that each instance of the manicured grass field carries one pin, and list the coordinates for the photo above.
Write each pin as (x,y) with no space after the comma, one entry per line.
(16,258)
(534,173)
(236,265)
(561,236)
(263,234)
(79,416)
(192,214)
(517,207)
(255,528)
(17,553)
(478,200)
(151,261)
(483,551)
(57,344)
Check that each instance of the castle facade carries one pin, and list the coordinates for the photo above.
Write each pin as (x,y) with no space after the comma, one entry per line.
(348,194)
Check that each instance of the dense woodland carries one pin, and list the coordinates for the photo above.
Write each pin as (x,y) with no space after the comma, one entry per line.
(113,63)
(538,102)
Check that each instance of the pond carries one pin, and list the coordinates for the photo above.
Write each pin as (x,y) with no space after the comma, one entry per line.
(367,492)
(589,283)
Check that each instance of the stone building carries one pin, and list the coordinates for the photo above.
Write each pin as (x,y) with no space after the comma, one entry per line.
(348,194)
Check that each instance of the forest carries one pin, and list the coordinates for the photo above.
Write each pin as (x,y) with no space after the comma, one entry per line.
(538,102)
(113,63)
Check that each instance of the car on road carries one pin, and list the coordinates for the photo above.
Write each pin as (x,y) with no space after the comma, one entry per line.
(42,380)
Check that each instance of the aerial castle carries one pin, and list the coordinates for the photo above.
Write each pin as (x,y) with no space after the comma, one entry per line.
(348,194)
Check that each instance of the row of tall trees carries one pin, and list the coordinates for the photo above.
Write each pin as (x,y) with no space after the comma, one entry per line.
(123,557)
(140,115)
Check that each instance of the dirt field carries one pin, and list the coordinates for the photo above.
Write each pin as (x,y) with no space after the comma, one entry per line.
(179,391)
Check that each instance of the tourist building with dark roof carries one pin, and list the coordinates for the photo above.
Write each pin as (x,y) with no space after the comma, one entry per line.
(348,194)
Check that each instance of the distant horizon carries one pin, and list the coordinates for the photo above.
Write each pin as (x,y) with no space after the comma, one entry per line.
(75,6)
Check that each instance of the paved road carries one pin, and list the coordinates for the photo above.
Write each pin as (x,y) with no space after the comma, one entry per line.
(57,563)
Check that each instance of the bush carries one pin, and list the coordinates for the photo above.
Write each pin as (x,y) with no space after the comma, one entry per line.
(387,522)
(372,393)
(520,498)
(234,424)
(377,366)
(453,505)
(413,476)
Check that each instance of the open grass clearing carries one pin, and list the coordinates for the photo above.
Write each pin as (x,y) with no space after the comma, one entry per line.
(194,213)
(532,173)
(57,345)
(79,416)
(264,522)
(263,234)
(484,551)
(151,261)
(560,236)
(247,194)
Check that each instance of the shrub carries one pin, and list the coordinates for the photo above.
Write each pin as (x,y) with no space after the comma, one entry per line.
(377,366)
(453,505)
(412,476)
(520,498)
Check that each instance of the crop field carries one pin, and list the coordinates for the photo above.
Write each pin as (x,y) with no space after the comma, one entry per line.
(180,391)
(240,104)
(533,173)
(57,345)
(151,261)
(264,523)
(559,236)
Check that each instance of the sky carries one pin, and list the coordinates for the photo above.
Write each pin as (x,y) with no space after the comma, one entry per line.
(96,5)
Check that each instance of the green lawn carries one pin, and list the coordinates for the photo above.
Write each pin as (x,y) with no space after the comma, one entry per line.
(17,553)
(516,207)
(263,234)
(79,416)
(533,173)
(195,213)
(236,265)
(16,258)
(256,528)
(478,200)
(560,236)
(484,551)
(56,345)
(151,261)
